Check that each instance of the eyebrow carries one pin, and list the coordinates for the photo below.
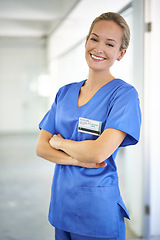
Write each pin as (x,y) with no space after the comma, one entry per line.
(108,39)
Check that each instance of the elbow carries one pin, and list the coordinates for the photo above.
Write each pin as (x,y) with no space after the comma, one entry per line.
(100,152)
(98,157)
(39,151)
(96,154)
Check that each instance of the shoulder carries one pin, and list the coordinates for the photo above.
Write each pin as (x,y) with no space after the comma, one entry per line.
(69,86)
(68,90)
(123,88)
(121,84)
(123,94)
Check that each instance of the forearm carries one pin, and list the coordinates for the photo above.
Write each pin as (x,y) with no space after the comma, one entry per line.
(84,151)
(90,151)
(59,157)
(44,150)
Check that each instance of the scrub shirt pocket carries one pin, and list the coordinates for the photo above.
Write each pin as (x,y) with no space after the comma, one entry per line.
(97,211)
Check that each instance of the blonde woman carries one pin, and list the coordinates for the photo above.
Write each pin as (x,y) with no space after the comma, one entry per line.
(82,133)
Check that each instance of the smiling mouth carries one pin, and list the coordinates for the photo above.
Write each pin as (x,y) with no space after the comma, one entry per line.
(98,58)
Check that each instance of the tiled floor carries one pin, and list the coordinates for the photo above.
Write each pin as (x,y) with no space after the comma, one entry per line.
(25,182)
(24,190)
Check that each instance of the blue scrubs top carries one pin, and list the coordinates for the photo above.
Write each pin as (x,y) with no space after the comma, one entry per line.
(87,201)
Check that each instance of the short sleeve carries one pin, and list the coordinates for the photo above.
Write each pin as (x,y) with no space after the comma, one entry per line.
(125,115)
(48,121)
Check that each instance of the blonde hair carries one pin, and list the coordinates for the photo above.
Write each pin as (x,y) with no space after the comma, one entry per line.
(117,18)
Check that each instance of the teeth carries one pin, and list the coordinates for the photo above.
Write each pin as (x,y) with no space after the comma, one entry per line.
(97,58)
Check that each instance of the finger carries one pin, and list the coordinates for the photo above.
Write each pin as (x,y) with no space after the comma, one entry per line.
(102,165)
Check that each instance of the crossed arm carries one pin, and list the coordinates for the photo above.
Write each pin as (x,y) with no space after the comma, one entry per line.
(88,153)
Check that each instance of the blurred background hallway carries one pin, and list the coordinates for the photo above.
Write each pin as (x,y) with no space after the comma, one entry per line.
(41,49)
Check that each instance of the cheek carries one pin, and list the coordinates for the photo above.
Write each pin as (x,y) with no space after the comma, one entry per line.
(86,52)
(87,49)
(114,54)
(89,45)
(87,57)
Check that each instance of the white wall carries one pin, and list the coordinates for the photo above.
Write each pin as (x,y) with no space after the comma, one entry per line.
(153,53)
(21,62)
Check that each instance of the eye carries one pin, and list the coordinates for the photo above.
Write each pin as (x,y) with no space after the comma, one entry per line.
(110,45)
(94,39)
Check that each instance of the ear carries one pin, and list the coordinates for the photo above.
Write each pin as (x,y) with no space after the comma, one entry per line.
(122,53)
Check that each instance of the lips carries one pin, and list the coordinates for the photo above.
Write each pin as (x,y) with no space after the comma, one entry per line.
(97,57)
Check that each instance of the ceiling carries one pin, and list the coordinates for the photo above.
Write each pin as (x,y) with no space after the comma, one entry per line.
(32,18)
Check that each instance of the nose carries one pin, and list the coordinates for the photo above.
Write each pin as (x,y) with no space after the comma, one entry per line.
(99,48)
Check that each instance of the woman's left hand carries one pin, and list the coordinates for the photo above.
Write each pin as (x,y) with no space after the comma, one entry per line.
(55,141)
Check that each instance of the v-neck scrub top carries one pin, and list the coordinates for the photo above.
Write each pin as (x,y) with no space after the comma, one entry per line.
(88,201)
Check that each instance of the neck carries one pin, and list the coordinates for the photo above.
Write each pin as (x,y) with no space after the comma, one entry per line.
(98,79)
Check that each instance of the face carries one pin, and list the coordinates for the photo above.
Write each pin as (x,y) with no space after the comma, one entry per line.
(103,45)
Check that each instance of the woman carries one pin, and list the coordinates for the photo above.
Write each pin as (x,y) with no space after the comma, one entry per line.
(82,133)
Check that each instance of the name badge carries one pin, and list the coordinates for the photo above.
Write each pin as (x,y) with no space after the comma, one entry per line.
(89,126)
